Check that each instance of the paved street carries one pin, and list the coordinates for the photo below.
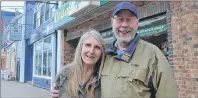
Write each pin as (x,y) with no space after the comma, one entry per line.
(13,89)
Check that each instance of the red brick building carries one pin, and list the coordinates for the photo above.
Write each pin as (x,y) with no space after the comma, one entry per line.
(184,44)
(175,23)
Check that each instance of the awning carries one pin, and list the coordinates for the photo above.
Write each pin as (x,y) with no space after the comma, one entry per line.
(87,14)
(72,10)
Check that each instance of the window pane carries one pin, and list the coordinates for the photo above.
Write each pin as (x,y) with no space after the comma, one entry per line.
(47,6)
(42,9)
(35,20)
(53,10)
(42,14)
(40,63)
(51,5)
(38,46)
(36,64)
(46,15)
(38,22)
(38,57)
(39,5)
(49,62)
(38,14)
(47,43)
(47,11)
(50,14)
(44,63)
(42,19)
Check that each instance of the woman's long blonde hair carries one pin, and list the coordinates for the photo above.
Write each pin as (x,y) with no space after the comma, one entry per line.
(76,67)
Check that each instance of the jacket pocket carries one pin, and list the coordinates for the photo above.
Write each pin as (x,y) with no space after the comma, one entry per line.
(141,75)
(122,85)
(139,81)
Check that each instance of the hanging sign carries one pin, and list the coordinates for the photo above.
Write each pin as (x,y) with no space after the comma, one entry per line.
(15,32)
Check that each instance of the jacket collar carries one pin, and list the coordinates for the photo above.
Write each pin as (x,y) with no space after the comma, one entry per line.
(124,55)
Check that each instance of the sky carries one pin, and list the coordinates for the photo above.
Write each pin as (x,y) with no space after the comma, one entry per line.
(12,5)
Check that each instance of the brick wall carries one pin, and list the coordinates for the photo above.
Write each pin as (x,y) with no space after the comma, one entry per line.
(68,53)
(184,26)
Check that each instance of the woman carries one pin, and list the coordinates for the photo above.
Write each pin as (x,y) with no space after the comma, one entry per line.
(81,77)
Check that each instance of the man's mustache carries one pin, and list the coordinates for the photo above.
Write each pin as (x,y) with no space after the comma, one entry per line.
(125,29)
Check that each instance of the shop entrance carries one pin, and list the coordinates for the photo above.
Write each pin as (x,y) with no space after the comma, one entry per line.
(154,30)
(160,41)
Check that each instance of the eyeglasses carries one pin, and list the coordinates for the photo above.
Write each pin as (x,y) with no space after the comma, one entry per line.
(120,20)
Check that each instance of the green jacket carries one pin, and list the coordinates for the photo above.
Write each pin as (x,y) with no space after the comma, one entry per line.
(130,80)
(60,81)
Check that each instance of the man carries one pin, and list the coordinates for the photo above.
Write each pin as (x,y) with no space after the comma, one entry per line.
(134,68)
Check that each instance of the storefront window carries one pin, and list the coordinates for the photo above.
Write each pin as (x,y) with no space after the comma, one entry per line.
(43,57)
(108,37)
(154,30)
(38,58)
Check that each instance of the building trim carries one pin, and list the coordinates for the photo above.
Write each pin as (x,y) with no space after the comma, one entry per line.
(169,31)
(46,77)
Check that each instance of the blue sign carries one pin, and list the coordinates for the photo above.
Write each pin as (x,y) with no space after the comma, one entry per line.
(15,32)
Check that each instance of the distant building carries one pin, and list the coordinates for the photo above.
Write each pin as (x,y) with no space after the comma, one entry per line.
(7,17)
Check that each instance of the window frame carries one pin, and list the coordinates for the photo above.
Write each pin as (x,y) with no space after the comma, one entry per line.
(39,62)
(37,15)
(50,9)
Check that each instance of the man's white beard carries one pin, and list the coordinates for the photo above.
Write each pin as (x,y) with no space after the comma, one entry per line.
(125,40)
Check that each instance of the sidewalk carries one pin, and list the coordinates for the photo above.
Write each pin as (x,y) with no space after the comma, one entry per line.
(13,89)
